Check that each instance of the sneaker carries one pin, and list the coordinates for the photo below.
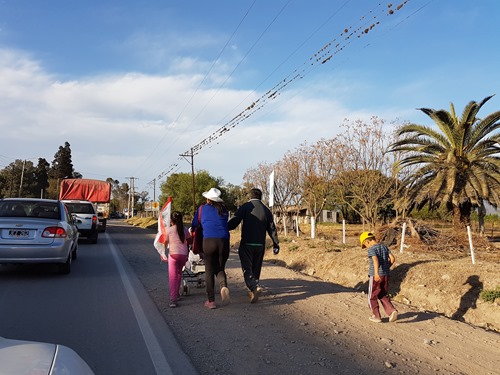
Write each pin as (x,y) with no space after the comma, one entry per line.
(394,316)
(254,295)
(172,304)
(224,293)
(210,305)
(374,319)
(259,289)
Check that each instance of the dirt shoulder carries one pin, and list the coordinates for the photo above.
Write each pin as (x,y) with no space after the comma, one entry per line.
(443,282)
(304,324)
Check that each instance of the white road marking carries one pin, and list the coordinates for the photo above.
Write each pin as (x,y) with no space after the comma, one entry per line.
(157,357)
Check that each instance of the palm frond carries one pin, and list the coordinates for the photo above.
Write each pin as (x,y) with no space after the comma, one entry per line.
(458,163)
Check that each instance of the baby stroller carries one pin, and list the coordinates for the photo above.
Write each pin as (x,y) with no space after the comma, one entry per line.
(193,273)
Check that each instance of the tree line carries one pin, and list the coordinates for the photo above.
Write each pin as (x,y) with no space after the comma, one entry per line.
(23,178)
(366,173)
(371,175)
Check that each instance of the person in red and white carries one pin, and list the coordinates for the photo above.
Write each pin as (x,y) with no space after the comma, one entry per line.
(177,237)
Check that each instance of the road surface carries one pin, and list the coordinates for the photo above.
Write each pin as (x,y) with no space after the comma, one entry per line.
(100,310)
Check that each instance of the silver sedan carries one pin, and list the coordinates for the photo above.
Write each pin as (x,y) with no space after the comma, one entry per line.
(29,357)
(37,231)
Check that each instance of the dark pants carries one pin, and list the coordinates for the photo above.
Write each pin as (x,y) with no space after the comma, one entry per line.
(216,251)
(377,290)
(251,258)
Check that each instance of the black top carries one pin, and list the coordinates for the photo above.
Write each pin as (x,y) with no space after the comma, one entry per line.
(257,220)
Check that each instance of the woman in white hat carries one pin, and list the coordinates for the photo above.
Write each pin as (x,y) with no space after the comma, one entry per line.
(213,216)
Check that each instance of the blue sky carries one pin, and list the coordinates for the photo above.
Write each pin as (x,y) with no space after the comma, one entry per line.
(131,85)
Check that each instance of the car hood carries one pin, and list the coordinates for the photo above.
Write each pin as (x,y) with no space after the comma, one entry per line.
(27,357)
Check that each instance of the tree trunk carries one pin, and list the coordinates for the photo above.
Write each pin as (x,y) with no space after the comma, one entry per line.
(461,215)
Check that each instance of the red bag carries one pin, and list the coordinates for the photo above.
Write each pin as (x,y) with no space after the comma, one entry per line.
(197,246)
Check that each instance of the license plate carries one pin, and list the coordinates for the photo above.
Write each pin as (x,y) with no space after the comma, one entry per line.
(19,233)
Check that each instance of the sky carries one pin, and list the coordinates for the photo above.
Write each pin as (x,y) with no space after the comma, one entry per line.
(133,85)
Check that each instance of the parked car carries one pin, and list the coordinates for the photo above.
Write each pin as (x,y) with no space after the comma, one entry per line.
(29,357)
(37,231)
(86,219)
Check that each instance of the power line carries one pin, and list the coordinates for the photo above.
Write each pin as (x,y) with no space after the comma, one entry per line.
(202,81)
(324,55)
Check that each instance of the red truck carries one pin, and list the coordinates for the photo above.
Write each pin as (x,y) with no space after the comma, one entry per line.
(95,191)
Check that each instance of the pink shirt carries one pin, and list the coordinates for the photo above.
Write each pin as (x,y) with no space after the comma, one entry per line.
(175,245)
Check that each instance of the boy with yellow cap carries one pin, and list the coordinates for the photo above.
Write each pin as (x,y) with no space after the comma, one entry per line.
(381,260)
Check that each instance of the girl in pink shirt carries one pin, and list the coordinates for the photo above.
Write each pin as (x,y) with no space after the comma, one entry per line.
(177,238)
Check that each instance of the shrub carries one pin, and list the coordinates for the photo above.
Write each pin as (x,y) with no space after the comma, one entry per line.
(490,295)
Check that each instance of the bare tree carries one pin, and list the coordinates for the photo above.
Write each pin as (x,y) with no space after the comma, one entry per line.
(363,170)
(316,173)
(259,177)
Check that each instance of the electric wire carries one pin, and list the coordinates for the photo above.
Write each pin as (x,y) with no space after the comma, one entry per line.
(176,166)
(199,85)
(324,55)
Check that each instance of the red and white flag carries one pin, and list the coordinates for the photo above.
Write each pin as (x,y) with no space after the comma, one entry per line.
(163,224)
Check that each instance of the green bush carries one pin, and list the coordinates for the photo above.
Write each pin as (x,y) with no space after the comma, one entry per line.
(490,295)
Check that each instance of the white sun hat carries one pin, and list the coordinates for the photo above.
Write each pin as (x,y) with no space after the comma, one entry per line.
(213,194)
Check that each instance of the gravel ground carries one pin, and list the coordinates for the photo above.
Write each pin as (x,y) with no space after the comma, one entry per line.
(303,325)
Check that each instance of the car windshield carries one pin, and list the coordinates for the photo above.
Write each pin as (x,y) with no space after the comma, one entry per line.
(14,208)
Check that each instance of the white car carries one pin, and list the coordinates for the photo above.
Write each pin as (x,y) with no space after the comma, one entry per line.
(86,218)
(29,357)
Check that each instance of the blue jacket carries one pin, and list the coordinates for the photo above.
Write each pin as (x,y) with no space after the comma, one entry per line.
(214,226)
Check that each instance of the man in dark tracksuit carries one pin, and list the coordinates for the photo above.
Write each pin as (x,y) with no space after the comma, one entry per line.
(257,221)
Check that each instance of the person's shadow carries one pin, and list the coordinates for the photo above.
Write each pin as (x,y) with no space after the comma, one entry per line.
(470,297)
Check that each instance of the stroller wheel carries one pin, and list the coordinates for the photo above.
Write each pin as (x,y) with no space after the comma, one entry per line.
(199,283)
(184,289)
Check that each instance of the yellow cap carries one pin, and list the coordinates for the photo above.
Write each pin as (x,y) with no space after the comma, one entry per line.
(364,236)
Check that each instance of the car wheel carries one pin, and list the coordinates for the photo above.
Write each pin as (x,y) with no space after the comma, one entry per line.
(65,268)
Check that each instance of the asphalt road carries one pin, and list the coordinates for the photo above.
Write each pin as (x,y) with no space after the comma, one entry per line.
(100,310)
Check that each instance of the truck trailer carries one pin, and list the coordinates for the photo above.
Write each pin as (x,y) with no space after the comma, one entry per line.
(95,191)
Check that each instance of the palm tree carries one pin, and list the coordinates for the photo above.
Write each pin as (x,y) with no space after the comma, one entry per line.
(457,165)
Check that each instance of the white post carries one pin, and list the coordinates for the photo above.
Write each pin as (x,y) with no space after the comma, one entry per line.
(297,225)
(313,226)
(470,245)
(343,232)
(403,237)
(284,225)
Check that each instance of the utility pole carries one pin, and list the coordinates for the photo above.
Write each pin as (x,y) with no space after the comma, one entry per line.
(191,155)
(154,189)
(154,198)
(22,176)
(131,195)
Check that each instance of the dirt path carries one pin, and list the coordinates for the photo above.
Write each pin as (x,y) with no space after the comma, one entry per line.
(302,325)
